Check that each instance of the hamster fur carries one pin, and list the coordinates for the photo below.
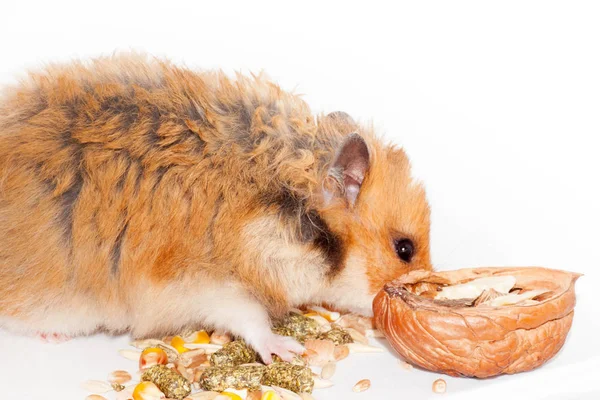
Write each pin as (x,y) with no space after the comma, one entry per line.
(140,196)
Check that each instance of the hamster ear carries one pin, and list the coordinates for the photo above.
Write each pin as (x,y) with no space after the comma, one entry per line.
(348,170)
(341,116)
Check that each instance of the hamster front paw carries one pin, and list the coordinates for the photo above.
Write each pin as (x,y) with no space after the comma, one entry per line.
(283,346)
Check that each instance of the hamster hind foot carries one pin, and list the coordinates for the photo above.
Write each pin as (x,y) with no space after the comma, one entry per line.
(52,338)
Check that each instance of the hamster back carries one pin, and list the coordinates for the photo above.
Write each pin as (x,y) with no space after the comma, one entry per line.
(125,169)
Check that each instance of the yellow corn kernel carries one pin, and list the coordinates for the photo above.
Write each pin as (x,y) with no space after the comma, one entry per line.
(147,391)
(201,337)
(232,396)
(330,316)
(152,356)
(270,395)
(178,343)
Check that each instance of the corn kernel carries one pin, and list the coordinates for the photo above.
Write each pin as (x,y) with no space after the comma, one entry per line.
(147,391)
(270,395)
(152,356)
(201,337)
(178,343)
(232,396)
(330,316)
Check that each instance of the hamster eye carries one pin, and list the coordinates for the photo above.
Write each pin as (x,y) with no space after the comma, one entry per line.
(405,249)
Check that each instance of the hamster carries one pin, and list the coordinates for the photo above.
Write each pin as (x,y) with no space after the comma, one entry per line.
(138,196)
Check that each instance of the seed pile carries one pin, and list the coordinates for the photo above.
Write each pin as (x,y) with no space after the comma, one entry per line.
(215,366)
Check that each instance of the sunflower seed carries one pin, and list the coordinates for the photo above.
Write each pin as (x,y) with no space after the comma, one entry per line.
(133,355)
(208,347)
(319,352)
(340,352)
(357,336)
(328,370)
(439,386)
(361,386)
(95,397)
(362,348)
(323,323)
(220,338)
(375,333)
(119,376)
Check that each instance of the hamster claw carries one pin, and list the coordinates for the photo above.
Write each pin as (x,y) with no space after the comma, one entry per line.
(283,346)
(53,338)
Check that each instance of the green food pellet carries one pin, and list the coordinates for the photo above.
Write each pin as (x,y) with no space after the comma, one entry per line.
(232,354)
(296,378)
(240,377)
(168,381)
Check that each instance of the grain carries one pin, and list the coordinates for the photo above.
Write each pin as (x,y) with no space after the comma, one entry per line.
(439,386)
(361,385)
(328,370)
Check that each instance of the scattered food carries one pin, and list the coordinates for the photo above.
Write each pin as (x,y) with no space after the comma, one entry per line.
(328,370)
(219,378)
(363,348)
(95,397)
(232,394)
(172,384)
(297,326)
(340,352)
(319,352)
(439,386)
(361,386)
(321,383)
(330,316)
(270,395)
(178,343)
(132,355)
(291,377)
(338,336)
(232,354)
(120,377)
(221,338)
(153,356)
(117,387)
(147,391)
(204,365)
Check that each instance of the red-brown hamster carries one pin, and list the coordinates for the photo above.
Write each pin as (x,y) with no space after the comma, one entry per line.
(140,196)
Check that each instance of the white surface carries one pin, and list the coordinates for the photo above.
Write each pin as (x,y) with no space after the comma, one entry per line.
(498,106)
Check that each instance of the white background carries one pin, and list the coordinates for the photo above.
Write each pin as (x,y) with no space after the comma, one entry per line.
(496,103)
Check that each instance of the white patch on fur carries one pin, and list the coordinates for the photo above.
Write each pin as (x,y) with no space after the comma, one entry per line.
(70,315)
(302,271)
(298,269)
(350,289)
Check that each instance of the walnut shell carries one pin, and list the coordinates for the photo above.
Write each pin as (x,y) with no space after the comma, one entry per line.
(480,341)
